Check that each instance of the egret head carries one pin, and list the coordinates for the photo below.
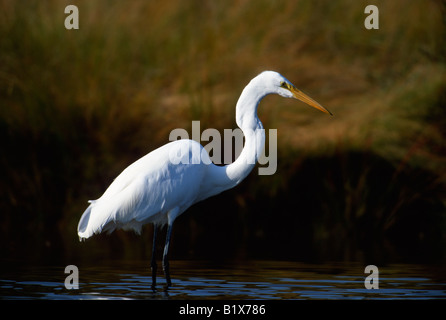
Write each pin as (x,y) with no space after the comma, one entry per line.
(281,86)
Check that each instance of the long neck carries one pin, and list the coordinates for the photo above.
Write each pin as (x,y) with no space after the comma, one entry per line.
(247,120)
(226,177)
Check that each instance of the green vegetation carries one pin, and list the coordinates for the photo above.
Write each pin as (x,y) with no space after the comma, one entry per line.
(78,106)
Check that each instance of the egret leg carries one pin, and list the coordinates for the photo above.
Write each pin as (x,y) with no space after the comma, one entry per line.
(153,265)
(165,259)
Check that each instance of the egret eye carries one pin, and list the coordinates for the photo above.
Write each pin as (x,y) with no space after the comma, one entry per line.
(284,85)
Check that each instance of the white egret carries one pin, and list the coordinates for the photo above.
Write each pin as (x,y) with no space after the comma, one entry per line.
(155,189)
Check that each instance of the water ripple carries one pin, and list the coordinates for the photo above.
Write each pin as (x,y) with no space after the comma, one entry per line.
(246,280)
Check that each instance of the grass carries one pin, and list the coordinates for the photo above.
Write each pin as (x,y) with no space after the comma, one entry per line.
(78,106)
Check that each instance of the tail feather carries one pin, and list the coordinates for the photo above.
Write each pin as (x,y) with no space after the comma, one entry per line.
(82,227)
(105,216)
(91,223)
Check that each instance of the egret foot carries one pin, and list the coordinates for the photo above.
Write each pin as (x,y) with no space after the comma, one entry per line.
(166,270)
(154,267)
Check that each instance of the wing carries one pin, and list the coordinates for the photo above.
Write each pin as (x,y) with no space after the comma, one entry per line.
(147,189)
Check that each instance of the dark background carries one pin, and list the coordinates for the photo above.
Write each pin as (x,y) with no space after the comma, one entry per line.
(78,106)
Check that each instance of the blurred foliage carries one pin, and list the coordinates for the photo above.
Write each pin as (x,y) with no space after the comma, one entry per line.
(78,106)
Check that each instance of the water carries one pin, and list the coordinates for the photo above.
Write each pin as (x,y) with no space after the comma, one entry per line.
(242,280)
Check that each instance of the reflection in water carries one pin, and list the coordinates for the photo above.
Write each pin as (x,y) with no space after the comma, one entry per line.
(246,280)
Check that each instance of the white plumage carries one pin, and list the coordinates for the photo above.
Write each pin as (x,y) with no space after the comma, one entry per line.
(145,192)
(161,185)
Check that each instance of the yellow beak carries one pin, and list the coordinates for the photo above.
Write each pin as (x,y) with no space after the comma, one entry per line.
(304,98)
